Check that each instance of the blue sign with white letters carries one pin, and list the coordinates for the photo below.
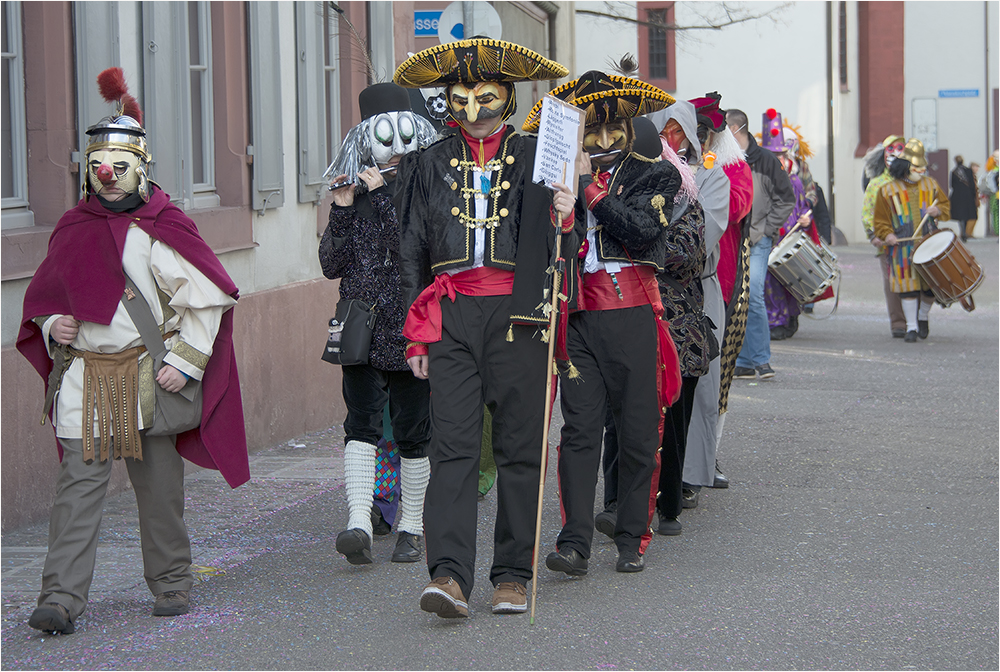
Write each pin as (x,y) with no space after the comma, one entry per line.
(958,93)
(425,24)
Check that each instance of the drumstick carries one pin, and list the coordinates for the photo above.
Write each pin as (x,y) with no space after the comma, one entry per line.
(916,234)
(798,223)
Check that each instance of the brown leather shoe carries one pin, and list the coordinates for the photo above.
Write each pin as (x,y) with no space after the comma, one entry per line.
(52,617)
(443,597)
(172,603)
(510,597)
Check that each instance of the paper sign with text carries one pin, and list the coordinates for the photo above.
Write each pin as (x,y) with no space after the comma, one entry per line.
(560,136)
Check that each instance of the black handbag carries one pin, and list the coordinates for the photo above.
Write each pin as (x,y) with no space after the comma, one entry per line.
(707,325)
(174,412)
(350,336)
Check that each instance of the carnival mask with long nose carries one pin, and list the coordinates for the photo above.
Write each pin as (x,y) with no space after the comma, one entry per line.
(607,137)
(484,100)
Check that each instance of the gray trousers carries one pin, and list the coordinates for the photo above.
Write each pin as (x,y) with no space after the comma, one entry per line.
(158,481)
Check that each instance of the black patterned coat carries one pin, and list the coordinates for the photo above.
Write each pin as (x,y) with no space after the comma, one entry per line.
(684,262)
(361,247)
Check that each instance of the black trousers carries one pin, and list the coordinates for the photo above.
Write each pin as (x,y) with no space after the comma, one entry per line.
(366,392)
(615,352)
(473,364)
(675,428)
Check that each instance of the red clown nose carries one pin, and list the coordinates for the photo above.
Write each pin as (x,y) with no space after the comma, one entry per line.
(105,173)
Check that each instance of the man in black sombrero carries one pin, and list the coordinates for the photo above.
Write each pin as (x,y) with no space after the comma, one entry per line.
(614,336)
(476,243)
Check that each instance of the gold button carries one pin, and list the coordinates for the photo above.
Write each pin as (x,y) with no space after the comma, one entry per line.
(505,184)
(455,211)
(663,410)
(454,186)
(504,212)
(454,162)
(509,160)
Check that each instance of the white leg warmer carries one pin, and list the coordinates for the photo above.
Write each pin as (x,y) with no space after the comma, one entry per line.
(414,475)
(359,476)
(718,430)
(910,311)
(925,309)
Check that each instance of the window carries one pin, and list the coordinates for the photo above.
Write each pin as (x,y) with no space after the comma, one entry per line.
(331,79)
(15,153)
(178,100)
(656,44)
(202,128)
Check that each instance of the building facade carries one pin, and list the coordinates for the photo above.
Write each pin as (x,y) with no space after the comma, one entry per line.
(245,105)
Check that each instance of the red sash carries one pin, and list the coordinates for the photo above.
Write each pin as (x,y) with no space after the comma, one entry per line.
(423,321)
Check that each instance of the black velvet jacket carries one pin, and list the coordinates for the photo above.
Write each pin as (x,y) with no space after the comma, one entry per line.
(636,211)
(436,205)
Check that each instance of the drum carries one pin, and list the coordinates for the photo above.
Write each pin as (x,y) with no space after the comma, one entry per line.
(802,267)
(946,265)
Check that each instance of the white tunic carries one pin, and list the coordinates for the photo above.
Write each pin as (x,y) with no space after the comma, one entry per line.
(198,305)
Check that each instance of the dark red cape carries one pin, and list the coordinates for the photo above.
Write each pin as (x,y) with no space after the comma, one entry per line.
(82,276)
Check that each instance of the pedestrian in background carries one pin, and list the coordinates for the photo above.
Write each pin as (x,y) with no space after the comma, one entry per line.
(773,200)
(964,198)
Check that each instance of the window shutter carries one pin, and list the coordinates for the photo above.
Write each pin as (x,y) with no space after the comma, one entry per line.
(265,96)
(311,103)
(167,96)
(97,48)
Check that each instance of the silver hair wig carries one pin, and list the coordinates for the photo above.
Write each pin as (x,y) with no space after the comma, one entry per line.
(356,151)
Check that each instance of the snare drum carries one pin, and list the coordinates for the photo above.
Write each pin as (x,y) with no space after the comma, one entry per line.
(946,265)
(802,267)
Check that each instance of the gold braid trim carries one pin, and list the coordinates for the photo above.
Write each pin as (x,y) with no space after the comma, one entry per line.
(191,355)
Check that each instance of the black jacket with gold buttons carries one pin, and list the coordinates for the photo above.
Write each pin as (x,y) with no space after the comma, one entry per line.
(435,203)
(633,216)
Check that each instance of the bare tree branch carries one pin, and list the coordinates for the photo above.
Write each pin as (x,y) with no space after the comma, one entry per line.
(733,17)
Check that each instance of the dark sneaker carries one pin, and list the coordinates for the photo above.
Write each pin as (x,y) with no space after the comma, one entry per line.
(765,371)
(605,521)
(52,617)
(379,525)
(171,603)
(689,499)
(356,546)
(911,337)
(898,333)
(743,372)
(408,548)
(510,597)
(668,527)
(630,561)
(923,328)
(443,597)
(569,562)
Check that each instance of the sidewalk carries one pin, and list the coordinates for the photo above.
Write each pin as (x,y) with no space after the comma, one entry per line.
(218,520)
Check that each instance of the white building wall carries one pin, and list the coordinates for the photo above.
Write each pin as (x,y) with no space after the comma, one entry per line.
(601,41)
(779,63)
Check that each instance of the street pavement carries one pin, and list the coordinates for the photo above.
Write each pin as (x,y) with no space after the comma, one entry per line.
(860,532)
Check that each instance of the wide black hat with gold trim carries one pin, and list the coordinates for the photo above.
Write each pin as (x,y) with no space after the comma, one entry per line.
(478,59)
(605,98)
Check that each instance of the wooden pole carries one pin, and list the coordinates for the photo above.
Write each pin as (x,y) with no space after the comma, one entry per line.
(553,313)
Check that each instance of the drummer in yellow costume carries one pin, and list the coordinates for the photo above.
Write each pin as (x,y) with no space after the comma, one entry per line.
(899,208)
